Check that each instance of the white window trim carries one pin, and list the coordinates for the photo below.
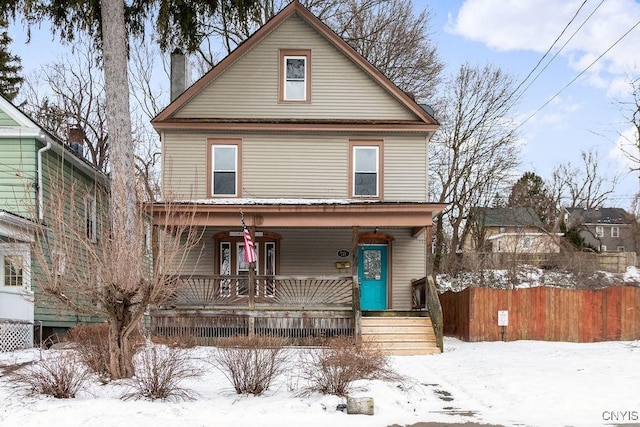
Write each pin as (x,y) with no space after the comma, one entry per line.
(617,231)
(355,171)
(599,231)
(305,95)
(603,248)
(213,169)
(23,250)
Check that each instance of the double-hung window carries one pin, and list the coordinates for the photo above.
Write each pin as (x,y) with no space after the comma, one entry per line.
(615,231)
(599,231)
(366,168)
(225,165)
(295,75)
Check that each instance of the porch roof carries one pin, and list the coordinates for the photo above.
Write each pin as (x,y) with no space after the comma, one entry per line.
(299,212)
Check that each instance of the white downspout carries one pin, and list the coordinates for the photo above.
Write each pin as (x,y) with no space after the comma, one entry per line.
(39,171)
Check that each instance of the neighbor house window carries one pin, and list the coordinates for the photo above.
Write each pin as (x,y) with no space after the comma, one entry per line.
(295,75)
(13,267)
(15,261)
(599,231)
(603,248)
(90,218)
(615,231)
(620,248)
(366,165)
(526,243)
(224,166)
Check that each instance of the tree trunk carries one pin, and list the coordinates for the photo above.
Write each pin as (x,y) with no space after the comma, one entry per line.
(123,202)
(120,346)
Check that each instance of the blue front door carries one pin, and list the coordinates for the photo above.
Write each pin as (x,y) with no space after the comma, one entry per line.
(372,275)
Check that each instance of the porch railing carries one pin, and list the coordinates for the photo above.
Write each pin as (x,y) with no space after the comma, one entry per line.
(425,297)
(264,292)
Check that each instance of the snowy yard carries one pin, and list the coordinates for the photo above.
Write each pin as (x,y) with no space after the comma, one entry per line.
(524,383)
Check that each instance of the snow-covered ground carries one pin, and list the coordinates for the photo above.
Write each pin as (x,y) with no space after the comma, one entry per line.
(521,383)
(527,276)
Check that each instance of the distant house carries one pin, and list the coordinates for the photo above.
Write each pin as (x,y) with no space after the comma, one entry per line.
(604,229)
(327,159)
(34,168)
(508,230)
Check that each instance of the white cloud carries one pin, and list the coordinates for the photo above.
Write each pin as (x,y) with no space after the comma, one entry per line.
(515,25)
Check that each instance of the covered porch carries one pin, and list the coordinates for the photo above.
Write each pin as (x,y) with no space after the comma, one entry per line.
(321,267)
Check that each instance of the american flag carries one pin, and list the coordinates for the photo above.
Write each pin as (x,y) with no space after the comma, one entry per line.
(249,249)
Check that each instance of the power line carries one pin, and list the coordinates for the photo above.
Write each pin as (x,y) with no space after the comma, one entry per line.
(548,51)
(561,47)
(577,76)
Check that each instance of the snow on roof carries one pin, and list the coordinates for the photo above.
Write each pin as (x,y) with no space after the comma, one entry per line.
(293,201)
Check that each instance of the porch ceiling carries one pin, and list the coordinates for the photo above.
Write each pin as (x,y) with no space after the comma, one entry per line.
(222,213)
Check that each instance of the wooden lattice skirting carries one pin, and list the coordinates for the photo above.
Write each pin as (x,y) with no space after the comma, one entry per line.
(15,335)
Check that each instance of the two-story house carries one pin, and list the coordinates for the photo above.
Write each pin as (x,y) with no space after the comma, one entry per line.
(327,160)
(604,229)
(515,230)
(36,170)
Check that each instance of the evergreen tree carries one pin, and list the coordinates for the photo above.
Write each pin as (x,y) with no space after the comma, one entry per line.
(10,80)
(531,191)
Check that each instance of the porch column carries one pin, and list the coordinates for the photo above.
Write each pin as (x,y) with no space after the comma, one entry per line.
(357,330)
(252,273)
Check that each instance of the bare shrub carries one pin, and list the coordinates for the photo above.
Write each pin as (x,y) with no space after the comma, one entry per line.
(251,363)
(183,341)
(334,368)
(60,376)
(92,344)
(159,372)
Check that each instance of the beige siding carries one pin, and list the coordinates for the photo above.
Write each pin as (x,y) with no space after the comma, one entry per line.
(295,166)
(184,168)
(405,168)
(249,88)
(409,263)
(310,252)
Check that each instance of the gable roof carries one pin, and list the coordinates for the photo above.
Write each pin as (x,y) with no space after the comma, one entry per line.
(425,117)
(26,127)
(600,215)
(508,217)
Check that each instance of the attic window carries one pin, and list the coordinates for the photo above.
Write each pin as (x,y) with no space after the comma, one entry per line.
(295,75)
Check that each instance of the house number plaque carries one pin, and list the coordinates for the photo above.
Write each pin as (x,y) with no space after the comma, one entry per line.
(343,253)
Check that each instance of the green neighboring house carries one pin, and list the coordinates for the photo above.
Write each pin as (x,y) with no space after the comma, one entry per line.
(36,168)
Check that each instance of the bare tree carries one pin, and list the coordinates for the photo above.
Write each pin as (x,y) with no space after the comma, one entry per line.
(68,92)
(582,186)
(78,265)
(474,154)
(631,147)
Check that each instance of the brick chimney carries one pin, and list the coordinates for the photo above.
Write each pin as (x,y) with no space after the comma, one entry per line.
(75,139)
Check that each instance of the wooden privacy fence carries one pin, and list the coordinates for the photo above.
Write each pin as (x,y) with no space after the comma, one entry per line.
(543,313)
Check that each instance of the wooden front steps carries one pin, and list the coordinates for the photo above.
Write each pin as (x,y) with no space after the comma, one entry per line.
(400,335)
